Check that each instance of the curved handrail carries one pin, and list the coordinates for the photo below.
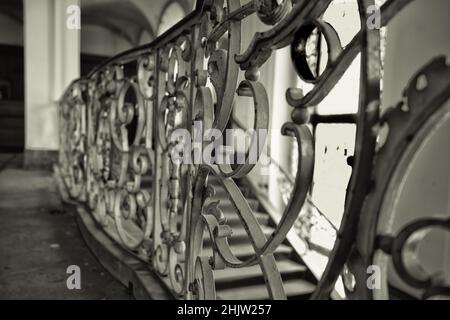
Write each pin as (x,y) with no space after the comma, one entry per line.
(128,146)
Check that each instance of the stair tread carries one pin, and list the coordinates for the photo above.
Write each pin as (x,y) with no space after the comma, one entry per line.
(285,266)
(235,222)
(239,234)
(240,231)
(262,218)
(224,197)
(225,204)
(246,249)
(292,288)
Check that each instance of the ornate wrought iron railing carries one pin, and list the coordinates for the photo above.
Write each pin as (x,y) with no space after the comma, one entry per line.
(116,144)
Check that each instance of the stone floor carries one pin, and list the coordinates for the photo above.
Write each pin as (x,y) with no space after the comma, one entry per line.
(39,241)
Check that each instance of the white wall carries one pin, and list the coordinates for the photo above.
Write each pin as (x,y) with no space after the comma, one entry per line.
(51,63)
(331,172)
(97,40)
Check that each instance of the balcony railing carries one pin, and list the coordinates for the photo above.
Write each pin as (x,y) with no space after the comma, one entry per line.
(116,150)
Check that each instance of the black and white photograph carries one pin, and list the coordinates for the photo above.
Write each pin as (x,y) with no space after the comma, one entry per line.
(242,150)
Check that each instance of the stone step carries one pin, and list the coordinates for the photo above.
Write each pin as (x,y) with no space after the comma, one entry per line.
(239,235)
(233,219)
(234,278)
(294,289)
(243,251)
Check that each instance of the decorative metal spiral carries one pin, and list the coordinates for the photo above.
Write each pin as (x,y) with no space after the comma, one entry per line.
(118,146)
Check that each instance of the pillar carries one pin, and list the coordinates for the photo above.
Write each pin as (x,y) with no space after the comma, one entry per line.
(52,55)
(280,146)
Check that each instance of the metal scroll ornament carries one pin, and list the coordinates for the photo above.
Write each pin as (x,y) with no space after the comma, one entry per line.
(117,142)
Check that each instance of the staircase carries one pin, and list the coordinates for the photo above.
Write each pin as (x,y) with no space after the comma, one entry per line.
(245,283)
(248,283)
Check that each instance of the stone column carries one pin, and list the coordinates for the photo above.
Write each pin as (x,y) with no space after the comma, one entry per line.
(52,55)
(280,148)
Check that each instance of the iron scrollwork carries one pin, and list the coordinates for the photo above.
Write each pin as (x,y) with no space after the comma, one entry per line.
(117,144)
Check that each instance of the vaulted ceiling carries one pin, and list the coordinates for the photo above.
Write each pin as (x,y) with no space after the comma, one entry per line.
(128,19)
(121,17)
